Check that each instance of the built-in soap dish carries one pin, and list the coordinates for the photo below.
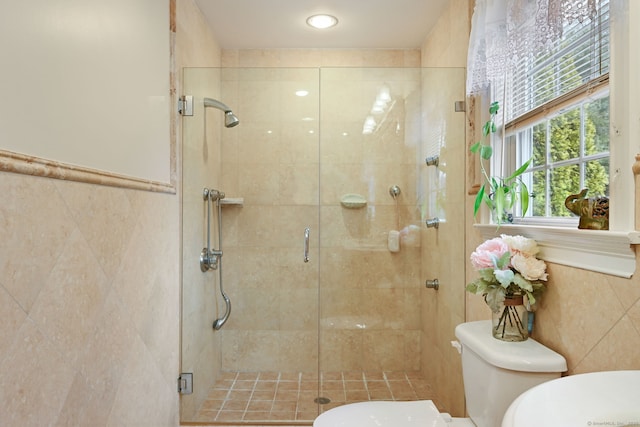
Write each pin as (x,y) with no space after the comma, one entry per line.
(232,201)
(353,201)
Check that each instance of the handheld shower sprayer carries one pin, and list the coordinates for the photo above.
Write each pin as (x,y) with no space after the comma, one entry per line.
(230,119)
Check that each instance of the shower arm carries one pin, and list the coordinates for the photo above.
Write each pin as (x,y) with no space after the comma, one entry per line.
(230,119)
(210,102)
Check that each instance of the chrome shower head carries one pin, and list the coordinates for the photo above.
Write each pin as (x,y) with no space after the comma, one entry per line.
(230,119)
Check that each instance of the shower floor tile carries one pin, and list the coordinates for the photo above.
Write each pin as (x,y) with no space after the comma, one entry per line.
(285,396)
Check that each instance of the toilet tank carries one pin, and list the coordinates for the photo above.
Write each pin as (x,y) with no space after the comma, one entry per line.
(496,372)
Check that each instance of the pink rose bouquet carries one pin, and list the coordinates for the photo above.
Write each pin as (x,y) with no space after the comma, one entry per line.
(507,265)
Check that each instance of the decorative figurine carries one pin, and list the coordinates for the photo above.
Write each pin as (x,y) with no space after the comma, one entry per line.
(593,211)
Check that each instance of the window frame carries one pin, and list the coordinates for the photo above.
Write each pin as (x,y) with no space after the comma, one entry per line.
(544,115)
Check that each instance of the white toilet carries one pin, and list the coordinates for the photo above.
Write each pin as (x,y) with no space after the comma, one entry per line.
(495,373)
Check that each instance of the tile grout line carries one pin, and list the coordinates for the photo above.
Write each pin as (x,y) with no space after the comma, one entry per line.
(227,396)
(386,381)
(413,388)
(366,385)
(253,389)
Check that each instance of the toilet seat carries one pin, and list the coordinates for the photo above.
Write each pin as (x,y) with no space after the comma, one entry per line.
(382,414)
(389,414)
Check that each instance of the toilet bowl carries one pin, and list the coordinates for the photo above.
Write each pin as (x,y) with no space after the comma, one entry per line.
(494,372)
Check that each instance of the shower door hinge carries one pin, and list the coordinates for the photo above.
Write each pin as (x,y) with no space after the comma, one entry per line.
(185,105)
(185,383)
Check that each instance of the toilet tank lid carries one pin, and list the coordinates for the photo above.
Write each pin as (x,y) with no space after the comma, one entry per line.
(525,356)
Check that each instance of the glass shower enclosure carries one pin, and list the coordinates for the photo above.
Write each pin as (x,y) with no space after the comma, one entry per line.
(330,319)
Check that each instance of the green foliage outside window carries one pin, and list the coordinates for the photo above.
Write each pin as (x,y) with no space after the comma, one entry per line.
(591,121)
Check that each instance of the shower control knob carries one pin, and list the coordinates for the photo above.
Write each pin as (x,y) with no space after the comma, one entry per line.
(432,284)
(432,161)
(432,222)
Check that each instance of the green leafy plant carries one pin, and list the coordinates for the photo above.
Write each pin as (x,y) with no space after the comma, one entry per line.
(500,194)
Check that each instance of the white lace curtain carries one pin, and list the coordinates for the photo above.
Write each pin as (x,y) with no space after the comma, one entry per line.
(503,31)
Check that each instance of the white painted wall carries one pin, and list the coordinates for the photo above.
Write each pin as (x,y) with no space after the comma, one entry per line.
(87,83)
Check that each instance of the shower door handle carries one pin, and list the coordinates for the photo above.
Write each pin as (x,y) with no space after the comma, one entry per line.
(306,244)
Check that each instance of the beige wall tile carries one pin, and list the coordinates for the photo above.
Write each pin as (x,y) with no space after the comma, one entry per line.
(22,213)
(101,367)
(140,375)
(443,249)
(87,206)
(79,343)
(13,317)
(67,307)
(40,375)
(616,350)
(340,348)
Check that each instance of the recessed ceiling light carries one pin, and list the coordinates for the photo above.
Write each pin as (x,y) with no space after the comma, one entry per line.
(322,21)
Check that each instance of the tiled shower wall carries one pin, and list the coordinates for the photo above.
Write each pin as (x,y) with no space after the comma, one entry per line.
(370,318)
(443,249)
(367,294)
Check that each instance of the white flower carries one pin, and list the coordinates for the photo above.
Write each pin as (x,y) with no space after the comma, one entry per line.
(521,244)
(530,267)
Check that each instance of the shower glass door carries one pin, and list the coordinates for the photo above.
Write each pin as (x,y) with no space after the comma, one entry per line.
(341,152)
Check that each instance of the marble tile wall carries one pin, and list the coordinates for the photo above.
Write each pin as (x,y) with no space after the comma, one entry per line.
(369,316)
(444,249)
(88,290)
(273,163)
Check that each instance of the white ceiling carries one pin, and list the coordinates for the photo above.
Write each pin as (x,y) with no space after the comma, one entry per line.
(272,24)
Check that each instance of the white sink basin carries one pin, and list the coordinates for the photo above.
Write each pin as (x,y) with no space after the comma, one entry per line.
(609,398)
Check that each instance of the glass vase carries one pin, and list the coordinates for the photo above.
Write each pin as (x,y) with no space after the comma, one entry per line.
(510,321)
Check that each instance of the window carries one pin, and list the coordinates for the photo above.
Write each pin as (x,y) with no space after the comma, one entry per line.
(557,115)
(569,151)
(610,252)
